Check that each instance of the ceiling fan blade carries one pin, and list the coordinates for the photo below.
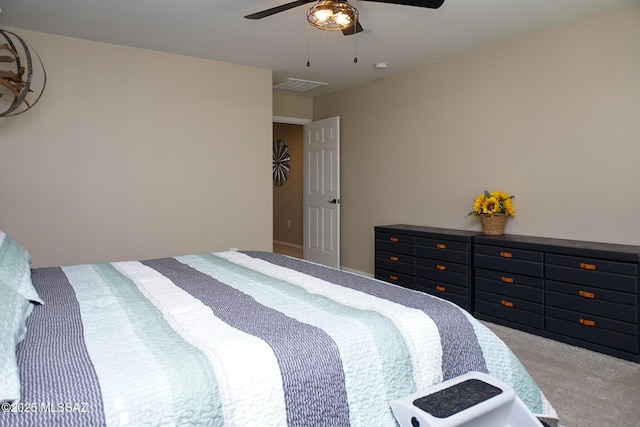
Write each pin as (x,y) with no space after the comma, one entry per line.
(277,9)
(350,31)
(431,4)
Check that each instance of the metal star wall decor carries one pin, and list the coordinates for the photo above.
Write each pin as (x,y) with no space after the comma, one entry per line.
(281,160)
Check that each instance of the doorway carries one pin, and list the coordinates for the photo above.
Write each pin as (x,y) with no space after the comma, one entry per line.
(287,198)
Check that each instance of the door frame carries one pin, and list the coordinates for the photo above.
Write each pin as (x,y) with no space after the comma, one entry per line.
(291,121)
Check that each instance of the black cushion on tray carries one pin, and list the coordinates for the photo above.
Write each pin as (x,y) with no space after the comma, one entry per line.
(457,398)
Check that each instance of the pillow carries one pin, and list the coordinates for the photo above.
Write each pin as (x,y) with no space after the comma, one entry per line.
(15,268)
(14,310)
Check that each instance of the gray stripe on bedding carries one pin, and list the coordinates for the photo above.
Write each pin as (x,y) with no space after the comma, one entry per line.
(301,349)
(66,372)
(461,351)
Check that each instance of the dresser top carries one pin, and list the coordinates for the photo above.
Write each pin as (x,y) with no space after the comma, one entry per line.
(563,246)
(611,251)
(417,229)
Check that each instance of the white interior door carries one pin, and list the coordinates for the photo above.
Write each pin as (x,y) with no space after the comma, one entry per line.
(322,192)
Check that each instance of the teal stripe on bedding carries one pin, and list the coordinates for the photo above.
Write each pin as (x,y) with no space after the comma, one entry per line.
(191,386)
(386,346)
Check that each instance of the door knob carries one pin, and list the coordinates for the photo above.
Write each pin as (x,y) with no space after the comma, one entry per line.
(334,201)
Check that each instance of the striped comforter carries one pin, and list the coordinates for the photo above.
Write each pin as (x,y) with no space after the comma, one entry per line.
(241,339)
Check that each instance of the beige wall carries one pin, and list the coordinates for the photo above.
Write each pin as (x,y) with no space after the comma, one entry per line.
(292,105)
(287,199)
(135,154)
(551,118)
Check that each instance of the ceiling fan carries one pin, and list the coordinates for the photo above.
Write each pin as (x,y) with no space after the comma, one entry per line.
(338,15)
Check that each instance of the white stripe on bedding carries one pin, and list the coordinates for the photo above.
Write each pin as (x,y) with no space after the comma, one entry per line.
(252,380)
(101,338)
(425,348)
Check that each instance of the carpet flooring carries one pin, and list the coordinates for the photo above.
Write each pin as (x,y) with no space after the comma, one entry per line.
(587,389)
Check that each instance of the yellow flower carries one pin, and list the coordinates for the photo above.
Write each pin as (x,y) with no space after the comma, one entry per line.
(491,205)
(499,195)
(496,202)
(508,207)
(477,205)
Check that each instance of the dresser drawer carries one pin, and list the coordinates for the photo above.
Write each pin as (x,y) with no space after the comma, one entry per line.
(444,266)
(395,247)
(510,278)
(590,293)
(397,278)
(583,319)
(593,334)
(443,244)
(595,307)
(510,290)
(523,317)
(443,254)
(617,282)
(396,267)
(396,238)
(443,250)
(592,264)
(395,257)
(509,253)
(508,265)
(510,303)
(444,276)
(436,288)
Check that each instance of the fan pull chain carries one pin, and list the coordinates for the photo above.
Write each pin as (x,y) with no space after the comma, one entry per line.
(355,42)
(308,60)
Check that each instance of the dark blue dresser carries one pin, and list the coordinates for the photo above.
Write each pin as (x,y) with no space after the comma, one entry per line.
(437,261)
(581,293)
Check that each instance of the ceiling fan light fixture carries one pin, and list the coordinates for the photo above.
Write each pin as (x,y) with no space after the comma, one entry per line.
(331,15)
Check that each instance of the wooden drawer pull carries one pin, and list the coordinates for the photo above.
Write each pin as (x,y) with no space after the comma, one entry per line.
(586,294)
(393,258)
(506,254)
(441,267)
(394,239)
(506,303)
(393,277)
(441,289)
(587,266)
(586,322)
(441,246)
(506,279)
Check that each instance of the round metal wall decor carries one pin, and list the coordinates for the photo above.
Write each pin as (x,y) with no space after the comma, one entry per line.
(22,80)
(281,160)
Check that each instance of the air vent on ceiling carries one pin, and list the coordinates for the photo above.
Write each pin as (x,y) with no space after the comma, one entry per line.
(298,85)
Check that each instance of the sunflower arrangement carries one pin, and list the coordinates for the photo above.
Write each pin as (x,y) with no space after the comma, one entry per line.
(493,203)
